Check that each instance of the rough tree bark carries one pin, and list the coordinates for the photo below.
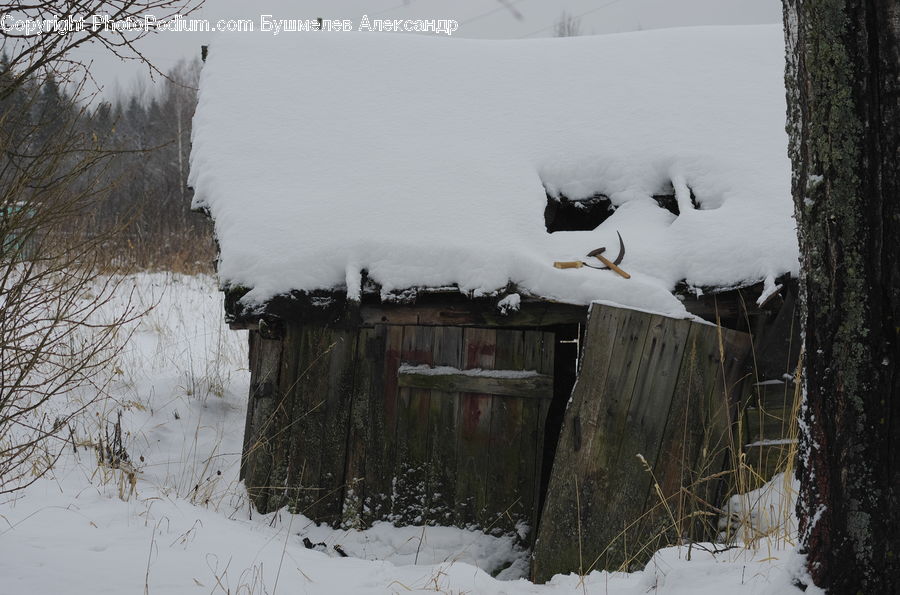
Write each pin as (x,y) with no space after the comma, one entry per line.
(843,90)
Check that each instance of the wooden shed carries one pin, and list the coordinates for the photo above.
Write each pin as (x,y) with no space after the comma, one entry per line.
(446,410)
(428,412)
(388,236)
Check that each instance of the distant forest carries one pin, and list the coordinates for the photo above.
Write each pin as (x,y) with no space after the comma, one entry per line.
(137,179)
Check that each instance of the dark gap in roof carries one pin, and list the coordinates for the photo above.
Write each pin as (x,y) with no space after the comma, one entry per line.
(669,202)
(694,202)
(564,214)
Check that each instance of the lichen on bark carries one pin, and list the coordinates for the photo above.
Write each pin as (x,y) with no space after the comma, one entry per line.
(836,57)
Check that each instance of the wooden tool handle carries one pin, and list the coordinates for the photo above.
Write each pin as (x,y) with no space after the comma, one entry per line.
(613,266)
(570,264)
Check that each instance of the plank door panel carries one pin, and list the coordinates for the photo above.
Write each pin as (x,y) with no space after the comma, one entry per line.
(464,457)
(423,452)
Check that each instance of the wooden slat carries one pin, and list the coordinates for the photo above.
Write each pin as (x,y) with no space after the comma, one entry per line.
(537,386)
(252,355)
(308,416)
(605,418)
(379,456)
(284,459)
(354,514)
(418,427)
(389,410)
(340,372)
(539,352)
(646,421)
(479,348)
(443,425)
(576,463)
(685,465)
(264,395)
(505,500)
(535,314)
(411,471)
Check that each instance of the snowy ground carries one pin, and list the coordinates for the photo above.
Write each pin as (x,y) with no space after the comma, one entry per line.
(184,524)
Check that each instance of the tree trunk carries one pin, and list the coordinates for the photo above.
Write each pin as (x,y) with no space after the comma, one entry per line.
(843,90)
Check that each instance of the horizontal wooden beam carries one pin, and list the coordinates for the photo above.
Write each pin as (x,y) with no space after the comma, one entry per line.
(512,383)
(536,314)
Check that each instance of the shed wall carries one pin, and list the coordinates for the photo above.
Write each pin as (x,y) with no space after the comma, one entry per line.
(335,432)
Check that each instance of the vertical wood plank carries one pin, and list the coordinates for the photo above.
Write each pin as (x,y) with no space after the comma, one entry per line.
(540,353)
(411,485)
(390,411)
(368,350)
(556,548)
(310,389)
(336,423)
(646,422)
(505,496)
(282,490)
(443,424)
(252,341)
(479,347)
(379,459)
(685,464)
(265,395)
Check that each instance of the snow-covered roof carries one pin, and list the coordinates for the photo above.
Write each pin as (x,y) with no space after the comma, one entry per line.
(425,160)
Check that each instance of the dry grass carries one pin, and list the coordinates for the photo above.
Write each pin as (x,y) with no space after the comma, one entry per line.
(728,500)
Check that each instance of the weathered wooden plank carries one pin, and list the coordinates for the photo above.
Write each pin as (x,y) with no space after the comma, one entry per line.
(599,487)
(573,466)
(265,395)
(443,424)
(411,485)
(685,468)
(505,500)
(308,417)
(252,356)
(418,428)
(282,491)
(479,348)
(368,350)
(535,386)
(530,314)
(539,351)
(390,409)
(605,418)
(336,422)
(646,421)
(379,456)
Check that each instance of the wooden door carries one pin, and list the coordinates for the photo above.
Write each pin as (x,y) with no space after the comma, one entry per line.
(447,426)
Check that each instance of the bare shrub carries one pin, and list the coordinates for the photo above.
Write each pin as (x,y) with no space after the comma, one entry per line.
(56,339)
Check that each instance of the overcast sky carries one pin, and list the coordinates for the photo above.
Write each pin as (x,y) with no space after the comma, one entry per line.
(478,18)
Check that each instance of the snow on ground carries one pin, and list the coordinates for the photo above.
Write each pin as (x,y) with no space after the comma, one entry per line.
(185,526)
(425,161)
